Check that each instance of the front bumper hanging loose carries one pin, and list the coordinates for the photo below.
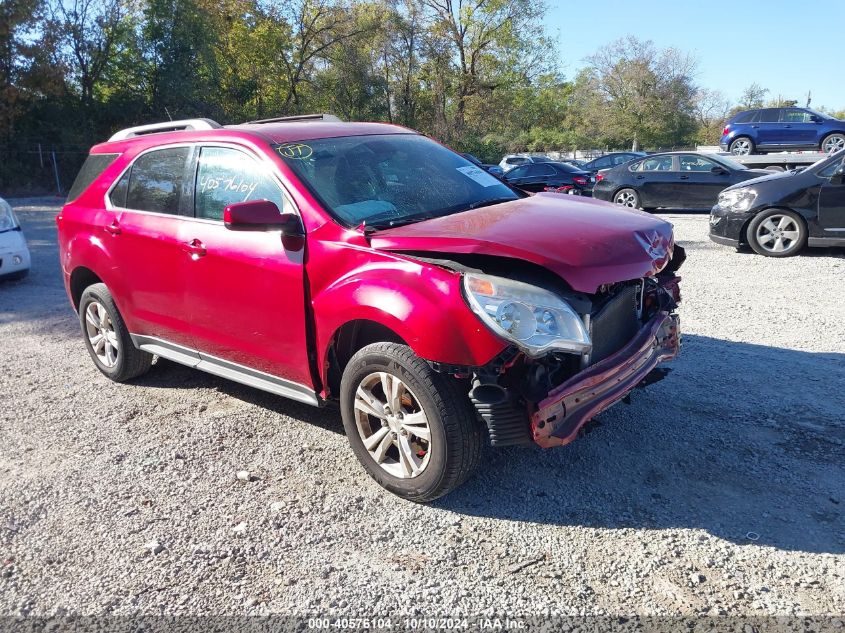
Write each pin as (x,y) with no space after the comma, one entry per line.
(572,404)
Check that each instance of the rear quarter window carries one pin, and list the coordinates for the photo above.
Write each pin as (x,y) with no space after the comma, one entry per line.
(91,169)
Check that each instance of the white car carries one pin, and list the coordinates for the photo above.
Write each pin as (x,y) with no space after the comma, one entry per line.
(515,160)
(14,254)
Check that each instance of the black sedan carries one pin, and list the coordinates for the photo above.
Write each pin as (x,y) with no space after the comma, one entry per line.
(609,161)
(777,215)
(679,180)
(558,177)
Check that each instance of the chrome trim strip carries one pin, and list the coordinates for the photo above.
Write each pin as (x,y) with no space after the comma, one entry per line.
(836,230)
(826,241)
(226,369)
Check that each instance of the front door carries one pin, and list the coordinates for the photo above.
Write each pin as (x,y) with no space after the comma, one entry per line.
(245,289)
(832,201)
(701,184)
(798,128)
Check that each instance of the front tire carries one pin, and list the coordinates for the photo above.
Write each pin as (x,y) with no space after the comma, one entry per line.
(107,337)
(627,198)
(833,143)
(413,430)
(742,146)
(777,233)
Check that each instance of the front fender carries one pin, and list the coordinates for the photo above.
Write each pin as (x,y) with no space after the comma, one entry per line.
(420,302)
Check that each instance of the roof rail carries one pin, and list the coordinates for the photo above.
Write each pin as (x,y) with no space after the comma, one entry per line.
(299,117)
(166,126)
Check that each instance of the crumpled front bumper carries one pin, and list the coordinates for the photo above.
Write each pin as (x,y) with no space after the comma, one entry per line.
(571,405)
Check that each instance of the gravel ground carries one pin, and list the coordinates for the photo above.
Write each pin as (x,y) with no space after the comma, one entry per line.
(717,491)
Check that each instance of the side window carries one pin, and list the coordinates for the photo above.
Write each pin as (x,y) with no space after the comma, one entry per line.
(770,115)
(118,192)
(827,172)
(690,162)
(539,170)
(93,166)
(226,176)
(745,117)
(601,163)
(518,172)
(621,158)
(794,115)
(156,179)
(516,160)
(659,163)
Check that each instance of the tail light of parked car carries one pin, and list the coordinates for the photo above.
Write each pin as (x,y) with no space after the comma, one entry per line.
(599,177)
(726,130)
(563,189)
(579,180)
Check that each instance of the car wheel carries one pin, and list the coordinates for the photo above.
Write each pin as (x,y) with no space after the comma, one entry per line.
(107,337)
(777,233)
(833,143)
(413,430)
(627,198)
(742,146)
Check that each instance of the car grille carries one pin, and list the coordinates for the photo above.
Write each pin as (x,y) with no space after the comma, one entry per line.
(615,324)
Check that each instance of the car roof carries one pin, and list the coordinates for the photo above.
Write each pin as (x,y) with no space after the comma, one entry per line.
(274,132)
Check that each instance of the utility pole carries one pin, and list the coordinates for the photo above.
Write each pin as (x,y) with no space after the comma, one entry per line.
(809,98)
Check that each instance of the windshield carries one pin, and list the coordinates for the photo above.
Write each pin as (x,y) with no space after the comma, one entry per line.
(727,162)
(390,179)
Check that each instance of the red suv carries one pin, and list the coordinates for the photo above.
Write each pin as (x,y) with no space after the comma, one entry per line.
(368,265)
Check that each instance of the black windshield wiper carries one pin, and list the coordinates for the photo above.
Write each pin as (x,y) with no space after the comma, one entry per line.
(489,202)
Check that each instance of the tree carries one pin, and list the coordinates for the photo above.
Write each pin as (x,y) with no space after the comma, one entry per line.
(641,94)
(712,109)
(753,96)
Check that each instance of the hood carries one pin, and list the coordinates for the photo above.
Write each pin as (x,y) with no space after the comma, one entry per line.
(768,176)
(586,242)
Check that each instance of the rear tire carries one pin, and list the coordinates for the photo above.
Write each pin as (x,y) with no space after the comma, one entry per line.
(107,337)
(742,146)
(392,400)
(777,233)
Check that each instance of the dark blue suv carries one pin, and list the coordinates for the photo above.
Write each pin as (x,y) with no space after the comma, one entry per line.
(779,129)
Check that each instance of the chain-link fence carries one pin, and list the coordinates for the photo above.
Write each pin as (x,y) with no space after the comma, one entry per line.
(33,168)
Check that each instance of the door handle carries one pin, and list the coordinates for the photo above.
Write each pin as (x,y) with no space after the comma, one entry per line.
(684,177)
(195,248)
(640,177)
(113,228)
(787,126)
(755,126)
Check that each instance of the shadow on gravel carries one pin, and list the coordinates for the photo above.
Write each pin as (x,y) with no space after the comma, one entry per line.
(743,441)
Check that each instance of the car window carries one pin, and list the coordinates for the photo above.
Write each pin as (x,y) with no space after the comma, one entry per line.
(155,180)
(516,160)
(565,167)
(770,115)
(827,172)
(226,176)
(621,158)
(657,163)
(691,162)
(518,172)
(601,163)
(746,117)
(794,115)
(91,169)
(540,170)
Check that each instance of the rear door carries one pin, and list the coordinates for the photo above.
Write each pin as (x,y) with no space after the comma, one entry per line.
(245,289)
(701,186)
(769,128)
(148,246)
(657,181)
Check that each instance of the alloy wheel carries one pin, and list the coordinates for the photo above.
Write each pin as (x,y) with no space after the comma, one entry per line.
(833,143)
(101,334)
(626,198)
(741,147)
(392,425)
(778,233)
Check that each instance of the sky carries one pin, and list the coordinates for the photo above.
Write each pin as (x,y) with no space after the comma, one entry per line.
(788,46)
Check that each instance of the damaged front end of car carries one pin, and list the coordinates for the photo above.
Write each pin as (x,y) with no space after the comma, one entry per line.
(574,358)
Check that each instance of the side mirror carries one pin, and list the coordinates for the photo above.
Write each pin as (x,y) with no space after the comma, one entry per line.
(261,215)
(815,118)
(719,171)
(838,176)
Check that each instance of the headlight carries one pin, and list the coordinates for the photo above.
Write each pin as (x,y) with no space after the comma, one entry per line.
(535,319)
(8,220)
(737,199)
